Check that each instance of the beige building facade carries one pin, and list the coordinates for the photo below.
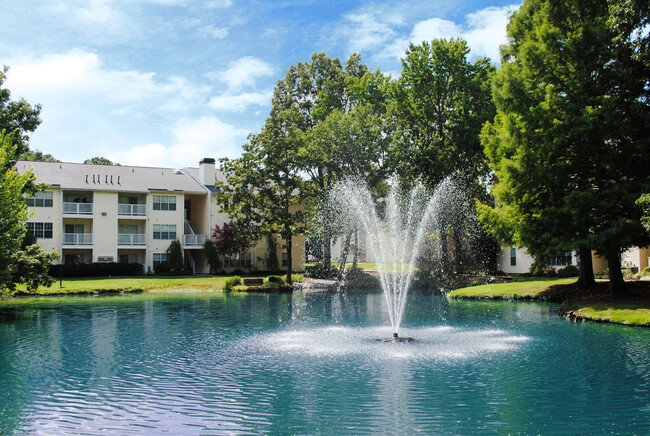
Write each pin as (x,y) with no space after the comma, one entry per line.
(99,213)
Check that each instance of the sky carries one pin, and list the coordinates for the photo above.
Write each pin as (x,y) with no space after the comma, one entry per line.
(165,83)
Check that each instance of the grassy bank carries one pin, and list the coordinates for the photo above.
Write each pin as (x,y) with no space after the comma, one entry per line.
(522,289)
(632,308)
(129,284)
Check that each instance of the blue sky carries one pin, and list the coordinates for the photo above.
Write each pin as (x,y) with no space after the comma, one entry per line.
(167,82)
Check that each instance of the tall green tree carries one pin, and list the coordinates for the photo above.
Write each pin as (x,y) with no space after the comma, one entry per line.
(263,189)
(14,190)
(439,104)
(569,144)
(17,116)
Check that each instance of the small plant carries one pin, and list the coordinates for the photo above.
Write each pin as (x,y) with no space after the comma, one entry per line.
(295,278)
(274,279)
(646,271)
(604,274)
(319,271)
(231,282)
(568,271)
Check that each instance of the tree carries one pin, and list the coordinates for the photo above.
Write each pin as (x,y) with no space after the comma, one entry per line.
(100,161)
(569,143)
(644,202)
(38,156)
(14,190)
(17,116)
(33,266)
(175,256)
(263,188)
(230,239)
(439,104)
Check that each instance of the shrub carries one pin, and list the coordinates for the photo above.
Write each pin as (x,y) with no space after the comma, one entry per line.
(318,271)
(604,274)
(231,282)
(103,269)
(569,271)
(646,271)
(274,279)
(357,278)
(295,278)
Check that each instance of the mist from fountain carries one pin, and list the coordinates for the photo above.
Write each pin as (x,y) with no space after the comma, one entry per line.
(394,240)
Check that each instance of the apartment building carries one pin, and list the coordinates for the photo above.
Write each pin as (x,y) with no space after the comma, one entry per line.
(127,214)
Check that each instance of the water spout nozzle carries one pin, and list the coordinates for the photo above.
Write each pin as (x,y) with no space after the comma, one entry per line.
(395,335)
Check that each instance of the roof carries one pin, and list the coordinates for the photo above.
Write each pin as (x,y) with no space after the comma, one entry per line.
(76,176)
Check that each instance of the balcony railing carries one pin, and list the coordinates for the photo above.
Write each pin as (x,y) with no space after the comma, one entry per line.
(131,239)
(194,240)
(77,239)
(78,208)
(132,209)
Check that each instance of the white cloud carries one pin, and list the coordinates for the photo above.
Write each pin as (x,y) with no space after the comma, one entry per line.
(214,32)
(219,4)
(242,73)
(241,102)
(484,31)
(367,31)
(193,139)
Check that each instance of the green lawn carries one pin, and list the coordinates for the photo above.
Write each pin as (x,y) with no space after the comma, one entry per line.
(524,288)
(130,284)
(636,313)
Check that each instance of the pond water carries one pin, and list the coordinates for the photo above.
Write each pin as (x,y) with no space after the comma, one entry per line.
(214,363)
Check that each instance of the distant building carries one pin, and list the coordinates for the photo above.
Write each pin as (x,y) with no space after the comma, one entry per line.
(101,213)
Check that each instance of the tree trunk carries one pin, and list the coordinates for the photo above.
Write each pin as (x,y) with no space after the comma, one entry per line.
(355,259)
(327,253)
(344,256)
(586,278)
(616,282)
(288,240)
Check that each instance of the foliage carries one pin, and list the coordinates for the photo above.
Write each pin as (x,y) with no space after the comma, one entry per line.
(644,202)
(274,279)
(271,260)
(232,238)
(33,267)
(356,278)
(231,282)
(439,104)
(320,271)
(17,117)
(568,271)
(38,156)
(210,252)
(569,143)
(295,278)
(100,161)
(14,190)
(646,271)
(98,269)
(175,256)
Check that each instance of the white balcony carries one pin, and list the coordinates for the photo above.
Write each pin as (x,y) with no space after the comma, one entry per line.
(194,240)
(78,208)
(131,240)
(77,239)
(132,209)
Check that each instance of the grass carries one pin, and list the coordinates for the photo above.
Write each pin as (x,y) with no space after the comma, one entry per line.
(130,284)
(632,308)
(602,309)
(528,288)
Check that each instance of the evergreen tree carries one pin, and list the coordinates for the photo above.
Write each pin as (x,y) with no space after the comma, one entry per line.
(569,144)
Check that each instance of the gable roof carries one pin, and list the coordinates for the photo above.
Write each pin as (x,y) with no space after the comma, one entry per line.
(83,177)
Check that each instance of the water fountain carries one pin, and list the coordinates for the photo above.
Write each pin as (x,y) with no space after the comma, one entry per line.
(394,239)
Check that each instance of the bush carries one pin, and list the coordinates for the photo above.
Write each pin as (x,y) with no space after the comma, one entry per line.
(295,278)
(103,269)
(569,271)
(604,274)
(318,271)
(274,279)
(359,279)
(231,282)
(646,271)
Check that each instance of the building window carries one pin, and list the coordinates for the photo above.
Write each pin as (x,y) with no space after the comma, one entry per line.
(159,258)
(285,260)
(562,260)
(41,199)
(164,231)
(513,257)
(241,260)
(40,230)
(164,202)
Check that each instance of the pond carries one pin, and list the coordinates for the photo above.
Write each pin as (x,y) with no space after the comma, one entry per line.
(211,363)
